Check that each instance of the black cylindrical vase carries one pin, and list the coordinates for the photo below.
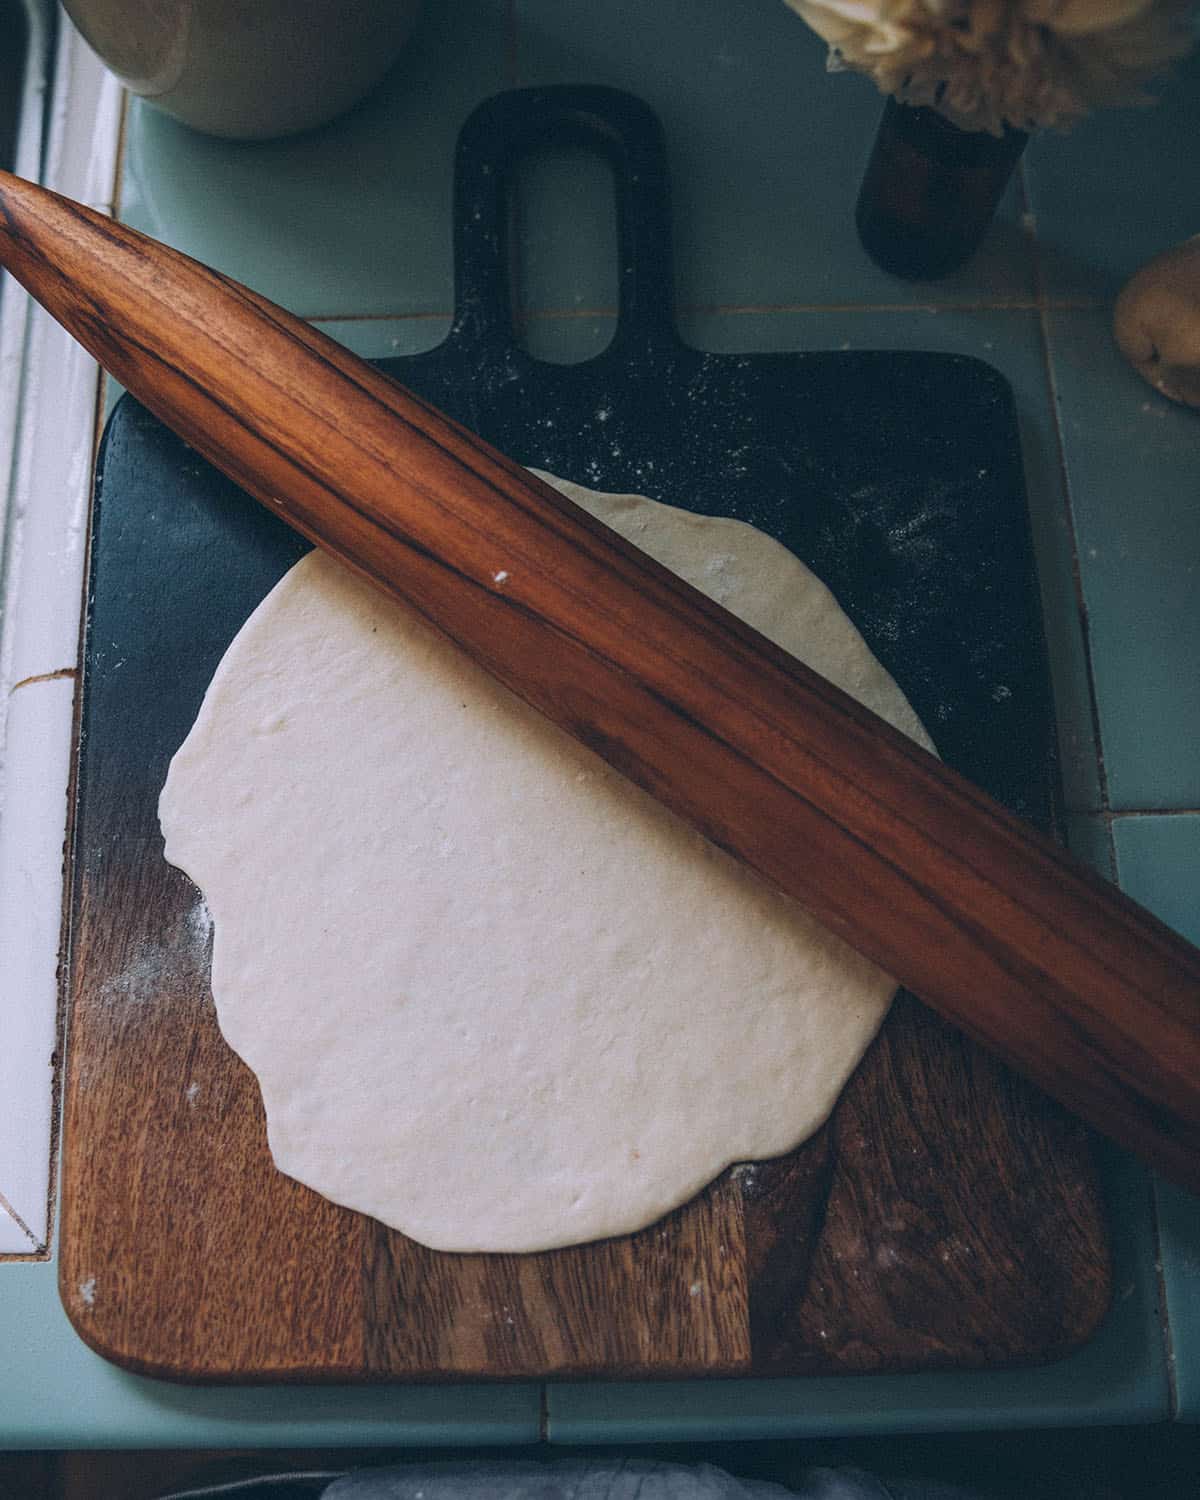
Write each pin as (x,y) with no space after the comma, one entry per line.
(930,190)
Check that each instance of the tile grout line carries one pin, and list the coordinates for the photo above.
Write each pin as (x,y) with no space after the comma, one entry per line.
(433,316)
(722,309)
(1029,220)
(985,304)
(1116,814)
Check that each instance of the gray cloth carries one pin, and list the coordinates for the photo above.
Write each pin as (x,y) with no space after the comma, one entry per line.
(564,1479)
(610,1479)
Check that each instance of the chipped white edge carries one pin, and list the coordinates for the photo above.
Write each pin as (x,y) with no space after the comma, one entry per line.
(41,590)
(14,1238)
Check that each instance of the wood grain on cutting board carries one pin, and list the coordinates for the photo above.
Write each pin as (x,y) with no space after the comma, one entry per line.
(946,1217)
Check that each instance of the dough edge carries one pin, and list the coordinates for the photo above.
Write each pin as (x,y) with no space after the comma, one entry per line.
(607,1221)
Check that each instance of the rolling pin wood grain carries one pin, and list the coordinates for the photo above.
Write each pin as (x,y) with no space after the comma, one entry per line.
(985,920)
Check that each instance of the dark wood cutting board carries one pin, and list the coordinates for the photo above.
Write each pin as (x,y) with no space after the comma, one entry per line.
(947,1216)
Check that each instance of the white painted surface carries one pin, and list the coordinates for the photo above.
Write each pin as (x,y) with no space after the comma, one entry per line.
(48,508)
(14,305)
(31,863)
(45,547)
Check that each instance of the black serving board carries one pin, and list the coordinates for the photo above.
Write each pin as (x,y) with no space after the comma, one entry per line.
(897,478)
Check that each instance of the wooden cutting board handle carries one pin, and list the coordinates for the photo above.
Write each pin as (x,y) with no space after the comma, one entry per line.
(981,917)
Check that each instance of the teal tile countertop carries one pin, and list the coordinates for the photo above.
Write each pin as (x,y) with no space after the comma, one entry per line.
(350,226)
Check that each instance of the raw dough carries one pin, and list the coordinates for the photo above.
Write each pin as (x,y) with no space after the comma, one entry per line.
(496,996)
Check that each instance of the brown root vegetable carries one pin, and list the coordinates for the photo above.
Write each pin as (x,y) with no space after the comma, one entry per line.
(1156,322)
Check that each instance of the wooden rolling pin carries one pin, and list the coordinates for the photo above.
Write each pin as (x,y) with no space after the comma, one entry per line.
(984,919)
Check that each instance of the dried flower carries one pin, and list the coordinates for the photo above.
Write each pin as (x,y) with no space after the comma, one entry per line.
(987,63)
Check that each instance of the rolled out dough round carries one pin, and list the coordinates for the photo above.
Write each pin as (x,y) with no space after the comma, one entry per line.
(494,995)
